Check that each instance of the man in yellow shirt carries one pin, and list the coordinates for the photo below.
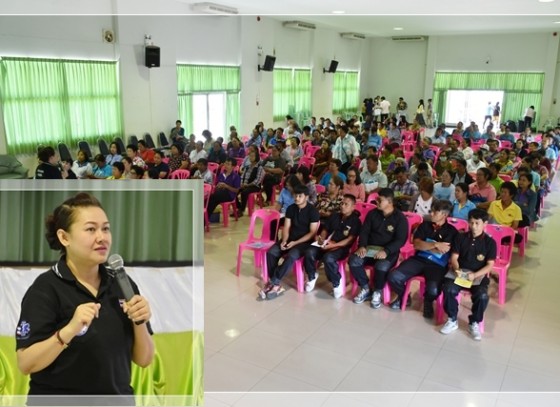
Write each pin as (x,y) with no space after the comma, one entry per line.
(504,211)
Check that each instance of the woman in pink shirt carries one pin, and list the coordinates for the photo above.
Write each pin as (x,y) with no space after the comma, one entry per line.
(353,184)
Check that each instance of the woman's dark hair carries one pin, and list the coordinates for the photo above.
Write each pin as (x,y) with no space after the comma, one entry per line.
(478,214)
(100,158)
(426,184)
(116,145)
(127,159)
(138,170)
(358,178)
(463,186)
(83,151)
(132,147)
(304,171)
(64,216)
(337,181)
(527,175)
(179,147)
(160,153)
(153,173)
(45,153)
(292,181)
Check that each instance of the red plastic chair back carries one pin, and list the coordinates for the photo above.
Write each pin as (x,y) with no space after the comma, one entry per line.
(460,224)
(180,174)
(364,208)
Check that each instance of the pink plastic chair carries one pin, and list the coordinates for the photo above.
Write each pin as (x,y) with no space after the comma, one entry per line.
(503,256)
(422,281)
(364,208)
(408,146)
(372,198)
(460,224)
(386,289)
(414,219)
(320,189)
(524,233)
(440,312)
(214,168)
(259,245)
(225,211)
(505,144)
(310,150)
(505,177)
(180,174)
(308,162)
(251,199)
(207,192)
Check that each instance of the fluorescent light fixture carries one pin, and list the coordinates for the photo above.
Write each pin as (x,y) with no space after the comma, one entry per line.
(546,1)
(557,22)
(213,8)
(398,28)
(339,12)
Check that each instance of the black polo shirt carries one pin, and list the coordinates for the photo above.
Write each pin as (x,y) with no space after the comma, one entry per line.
(474,252)
(388,232)
(47,171)
(300,220)
(428,230)
(97,362)
(342,227)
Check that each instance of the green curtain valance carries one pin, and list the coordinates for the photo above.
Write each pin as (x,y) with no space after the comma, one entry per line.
(505,81)
(207,78)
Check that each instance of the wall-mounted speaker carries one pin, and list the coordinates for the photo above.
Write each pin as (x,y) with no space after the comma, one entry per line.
(269,62)
(152,56)
(332,67)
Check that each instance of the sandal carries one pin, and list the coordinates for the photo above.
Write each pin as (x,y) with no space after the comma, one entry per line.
(276,291)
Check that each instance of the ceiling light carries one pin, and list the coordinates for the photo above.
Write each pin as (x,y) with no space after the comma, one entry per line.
(557,22)
(398,28)
(339,12)
(546,1)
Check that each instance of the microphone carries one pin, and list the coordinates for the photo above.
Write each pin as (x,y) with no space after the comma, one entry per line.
(116,263)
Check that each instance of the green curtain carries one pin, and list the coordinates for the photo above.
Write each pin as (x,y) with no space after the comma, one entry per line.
(140,233)
(346,93)
(291,94)
(45,101)
(521,89)
(206,79)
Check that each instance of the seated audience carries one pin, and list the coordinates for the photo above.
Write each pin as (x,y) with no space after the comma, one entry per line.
(178,160)
(217,154)
(403,189)
(333,169)
(383,233)
(227,187)
(354,185)
(202,172)
(100,169)
(422,201)
(132,153)
(300,227)
(322,157)
(329,201)
(161,168)
(481,192)
(274,167)
(333,244)
(115,154)
(432,241)
(82,167)
(117,170)
(303,175)
(461,205)
(472,253)
(147,154)
(251,180)
(50,168)
(445,188)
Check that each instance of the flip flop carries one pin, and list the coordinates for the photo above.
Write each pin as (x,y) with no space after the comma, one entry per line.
(272,294)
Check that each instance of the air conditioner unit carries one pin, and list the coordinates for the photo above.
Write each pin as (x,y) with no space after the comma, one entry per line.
(353,36)
(409,38)
(213,8)
(299,25)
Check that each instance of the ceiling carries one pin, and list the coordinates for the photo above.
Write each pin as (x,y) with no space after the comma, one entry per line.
(420,17)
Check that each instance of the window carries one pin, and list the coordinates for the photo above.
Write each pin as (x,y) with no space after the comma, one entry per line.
(520,89)
(470,105)
(45,101)
(346,93)
(208,98)
(292,94)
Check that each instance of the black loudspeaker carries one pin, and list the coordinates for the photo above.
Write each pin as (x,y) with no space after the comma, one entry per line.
(332,67)
(152,56)
(269,62)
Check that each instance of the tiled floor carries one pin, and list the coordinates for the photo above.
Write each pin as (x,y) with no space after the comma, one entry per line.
(309,342)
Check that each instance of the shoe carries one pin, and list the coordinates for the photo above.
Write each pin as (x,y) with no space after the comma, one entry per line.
(376,300)
(395,305)
(474,330)
(428,310)
(363,295)
(262,293)
(310,285)
(338,291)
(276,291)
(449,327)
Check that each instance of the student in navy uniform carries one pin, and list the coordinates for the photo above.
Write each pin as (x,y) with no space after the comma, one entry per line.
(432,242)
(343,227)
(300,227)
(49,167)
(387,228)
(76,335)
(473,252)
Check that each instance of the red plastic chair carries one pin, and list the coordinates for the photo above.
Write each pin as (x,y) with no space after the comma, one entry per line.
(414,219)
(259,245)
(180,174)
(503,256)
(207,192)
(214,168)
(505,144)
(460,224)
